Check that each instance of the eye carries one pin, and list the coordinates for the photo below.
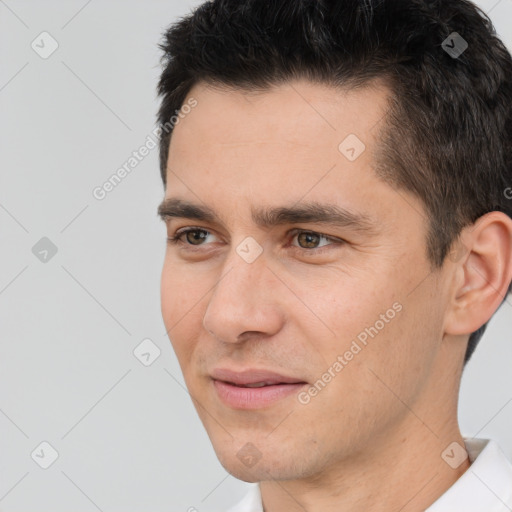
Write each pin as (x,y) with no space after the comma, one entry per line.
(311,239)
(196,236)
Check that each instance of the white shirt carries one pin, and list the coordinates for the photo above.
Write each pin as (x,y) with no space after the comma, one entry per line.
(485,487)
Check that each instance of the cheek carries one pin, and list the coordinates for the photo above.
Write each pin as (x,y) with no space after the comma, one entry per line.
(181,288)
(180,307)
(368,325)
(170,287)
(345,311)
(387,338)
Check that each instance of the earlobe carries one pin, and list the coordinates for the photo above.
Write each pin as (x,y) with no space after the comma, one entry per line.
(483,274)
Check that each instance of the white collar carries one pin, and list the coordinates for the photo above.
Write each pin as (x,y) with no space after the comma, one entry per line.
(485,487)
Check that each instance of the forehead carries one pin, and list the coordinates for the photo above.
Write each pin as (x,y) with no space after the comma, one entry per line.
(301,112)
(279,147)
(282,132)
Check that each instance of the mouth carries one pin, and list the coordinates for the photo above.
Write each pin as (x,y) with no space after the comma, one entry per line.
(253,389)
(255,384)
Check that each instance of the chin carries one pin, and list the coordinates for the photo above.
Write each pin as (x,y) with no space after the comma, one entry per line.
(246,475)
(278,467)
(257,473)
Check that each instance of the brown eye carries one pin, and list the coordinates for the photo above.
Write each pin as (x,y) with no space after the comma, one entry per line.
(195,237)
(312,242)
(308,240)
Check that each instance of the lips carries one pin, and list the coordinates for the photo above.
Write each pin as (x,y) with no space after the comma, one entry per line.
(253,378)
(253,389)
(258,384)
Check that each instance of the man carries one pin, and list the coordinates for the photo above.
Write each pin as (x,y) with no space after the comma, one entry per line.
(339,216)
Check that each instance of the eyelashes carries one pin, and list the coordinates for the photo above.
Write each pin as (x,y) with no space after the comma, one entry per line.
(179,235)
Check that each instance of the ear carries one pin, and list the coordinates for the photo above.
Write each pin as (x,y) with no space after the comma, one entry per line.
(482,273)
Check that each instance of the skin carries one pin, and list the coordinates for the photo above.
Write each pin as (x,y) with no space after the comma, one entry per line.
(372,439)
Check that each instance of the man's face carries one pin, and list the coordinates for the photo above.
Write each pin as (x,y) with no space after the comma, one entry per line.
(354,316)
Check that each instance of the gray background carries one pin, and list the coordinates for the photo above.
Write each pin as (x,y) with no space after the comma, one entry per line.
(127,435)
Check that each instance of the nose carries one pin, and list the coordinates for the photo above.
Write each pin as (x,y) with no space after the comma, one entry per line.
(244,302)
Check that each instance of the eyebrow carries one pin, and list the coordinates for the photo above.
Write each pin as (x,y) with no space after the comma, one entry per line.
(266,217)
